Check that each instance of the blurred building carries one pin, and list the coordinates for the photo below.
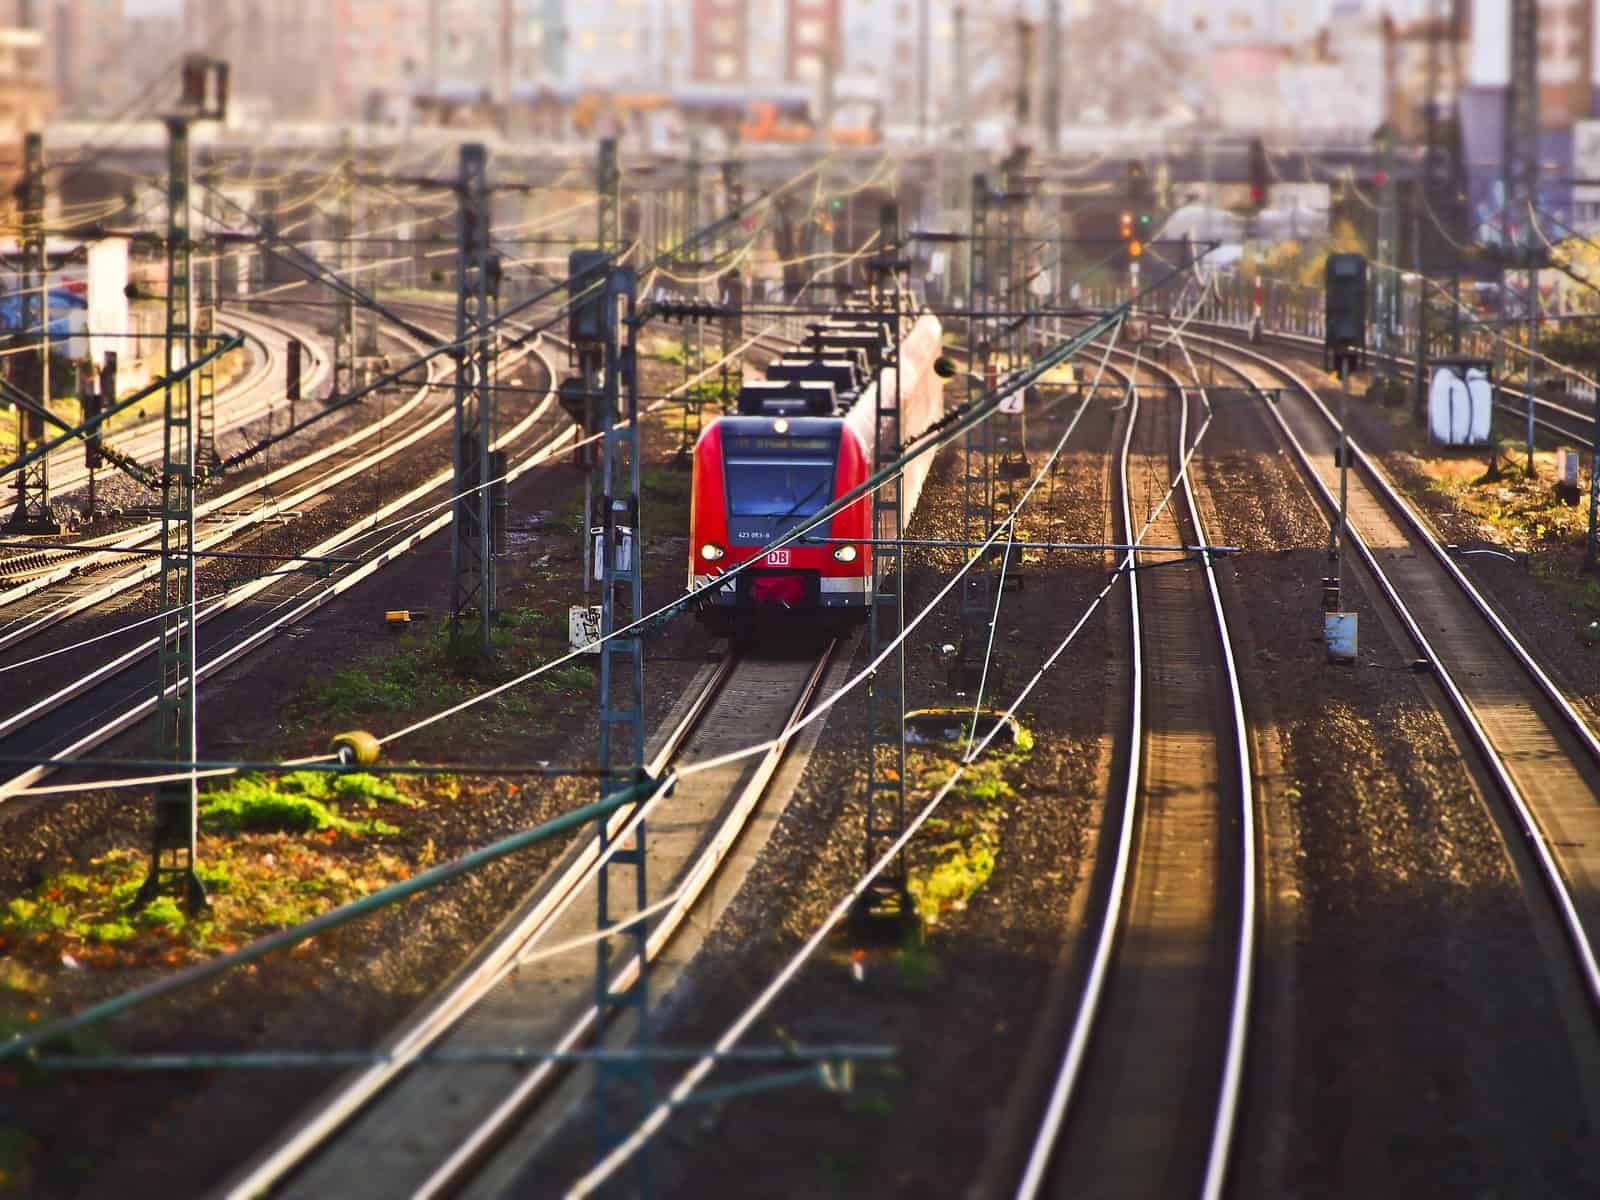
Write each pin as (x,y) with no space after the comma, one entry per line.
(881,49)
(812,41)
(150,39)
(27,92)
(284,55)
(1241,22)
(377,56)
(719,38)
(89,55)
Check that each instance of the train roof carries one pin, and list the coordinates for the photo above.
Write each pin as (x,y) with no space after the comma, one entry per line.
(765,427)
(789,397)
(846,374)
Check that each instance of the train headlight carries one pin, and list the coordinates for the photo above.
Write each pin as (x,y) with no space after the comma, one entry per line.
(845,553)
(711,552)
(780,426)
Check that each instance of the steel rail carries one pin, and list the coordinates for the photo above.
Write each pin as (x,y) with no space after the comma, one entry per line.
(1225,1119)
(458,1167)
(238,596)
(1220,1152)
(1577,936)
(29,626)
(67,472)
(374,522)
(94,554)
(1066,1080)
(424,1028)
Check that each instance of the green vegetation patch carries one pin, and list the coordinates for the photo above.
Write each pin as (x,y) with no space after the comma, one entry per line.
(959,856)
(85,918)
(300,802)
(668,351)
(1513,509)
(418,673)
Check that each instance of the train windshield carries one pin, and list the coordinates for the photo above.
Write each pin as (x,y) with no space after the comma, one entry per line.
(778,488)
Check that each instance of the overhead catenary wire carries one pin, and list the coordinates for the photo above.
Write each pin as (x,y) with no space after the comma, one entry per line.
(977,412)
(974,413)
(645,793)
(410,519)
(119,1004)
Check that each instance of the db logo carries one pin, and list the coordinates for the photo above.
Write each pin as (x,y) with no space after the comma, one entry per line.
(778,558)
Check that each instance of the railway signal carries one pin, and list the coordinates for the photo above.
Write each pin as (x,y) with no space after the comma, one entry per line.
(89,398)
(291,387)
(1344,336)
(1259,175)
(1141,198)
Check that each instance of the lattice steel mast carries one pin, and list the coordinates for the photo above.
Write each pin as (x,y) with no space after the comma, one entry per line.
(173,850)
(1521,164)
(886,688)
(33,513)
(621,700)
(205,325)
(472,593)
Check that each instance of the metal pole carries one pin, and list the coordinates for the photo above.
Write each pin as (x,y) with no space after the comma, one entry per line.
(173,853)
(608,186)
(1533,345)
(205,450)
(621,705)
(472,558)
(887,898)
(344,337)
(1419,397)
(1590,561)
(1344,476)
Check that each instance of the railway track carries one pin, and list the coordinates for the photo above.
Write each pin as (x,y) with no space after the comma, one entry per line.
(1567,425)
(244,400)
(1155,1052)
(346,459)
(25,573)
(408,1127)
(1540,756)
(61,586)
(92,691)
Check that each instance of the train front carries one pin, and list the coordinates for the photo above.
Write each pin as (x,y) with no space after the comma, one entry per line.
(755,479)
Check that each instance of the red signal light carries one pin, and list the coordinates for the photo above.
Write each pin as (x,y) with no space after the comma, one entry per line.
(1381,178)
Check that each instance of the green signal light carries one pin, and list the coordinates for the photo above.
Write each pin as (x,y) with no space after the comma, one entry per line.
(1144,218)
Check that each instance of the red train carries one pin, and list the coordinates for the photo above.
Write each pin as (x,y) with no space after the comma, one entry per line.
(802,439)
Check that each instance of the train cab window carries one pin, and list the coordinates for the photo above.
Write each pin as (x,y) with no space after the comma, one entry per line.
(778,488)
